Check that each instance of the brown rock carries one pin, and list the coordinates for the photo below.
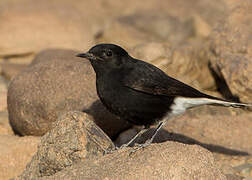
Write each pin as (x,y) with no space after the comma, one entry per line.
(173,21)
(160,161)
(15,153)
(216,129)
(74,138)
(219,133)
(10,70)
(55,82)
(231,48)
(42,24)
(147,26)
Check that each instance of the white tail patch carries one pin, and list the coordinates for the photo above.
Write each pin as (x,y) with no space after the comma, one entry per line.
(180,104)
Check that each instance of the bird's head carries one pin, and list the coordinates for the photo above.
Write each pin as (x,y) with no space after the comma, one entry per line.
(105,56)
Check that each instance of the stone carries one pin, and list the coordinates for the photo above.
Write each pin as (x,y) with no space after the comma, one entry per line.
(55,82)
(15,153)
(168,160)
(74,138)
(231,50)
(10,70)
(144,27)
(225,134)
(5,128)
(3,94)
(56,24)
(174,21)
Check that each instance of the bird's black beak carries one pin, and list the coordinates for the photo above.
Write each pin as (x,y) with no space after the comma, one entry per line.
(86,55)
(89,56)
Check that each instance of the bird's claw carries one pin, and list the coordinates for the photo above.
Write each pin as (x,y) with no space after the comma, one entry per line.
(110,151)
(140,146)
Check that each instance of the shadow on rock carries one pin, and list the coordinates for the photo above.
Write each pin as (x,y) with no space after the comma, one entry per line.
(108,122)
(164,136)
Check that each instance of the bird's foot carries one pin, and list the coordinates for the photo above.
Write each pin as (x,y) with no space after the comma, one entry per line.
(122,146)
(140,146)
(110,151)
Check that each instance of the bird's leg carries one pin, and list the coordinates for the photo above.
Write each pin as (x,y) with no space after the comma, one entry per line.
(149,141)
(137,135)
(127,144)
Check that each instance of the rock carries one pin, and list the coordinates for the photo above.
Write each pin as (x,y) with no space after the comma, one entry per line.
(55,82)
(227,136)
(144,27)
(233,177)
(168,160)
(220,133)
(176,22)
(3,94)
(245,169)
(231,50)
(241,165)
(74,137)
(10,70)
(5,128)
(15,153)
(57,24)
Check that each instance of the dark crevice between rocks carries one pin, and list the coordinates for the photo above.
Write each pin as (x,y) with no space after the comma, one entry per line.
(222,86)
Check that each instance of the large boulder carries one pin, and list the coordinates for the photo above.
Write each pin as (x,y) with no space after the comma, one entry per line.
(160,161)
(231,50)
(73,138)
(55,82)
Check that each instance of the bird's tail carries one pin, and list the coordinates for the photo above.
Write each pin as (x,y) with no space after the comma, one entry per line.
(227,103)
(193,102)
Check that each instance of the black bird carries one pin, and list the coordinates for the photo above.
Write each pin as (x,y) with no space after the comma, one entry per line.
(141,93)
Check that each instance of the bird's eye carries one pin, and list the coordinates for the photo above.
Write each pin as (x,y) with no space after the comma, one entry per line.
(109,53)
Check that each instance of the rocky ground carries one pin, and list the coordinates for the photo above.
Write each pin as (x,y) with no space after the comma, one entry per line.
(52,124)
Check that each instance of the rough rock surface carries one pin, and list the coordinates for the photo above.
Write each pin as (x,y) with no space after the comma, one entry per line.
(15,153)
(231,48)
(168,160)
(74,137)
(38,95)
(55,82)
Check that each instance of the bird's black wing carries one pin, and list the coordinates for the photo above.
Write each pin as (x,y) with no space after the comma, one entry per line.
(149,79)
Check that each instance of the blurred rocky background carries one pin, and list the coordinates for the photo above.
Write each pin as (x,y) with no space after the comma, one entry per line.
(52,124)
